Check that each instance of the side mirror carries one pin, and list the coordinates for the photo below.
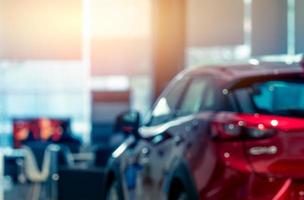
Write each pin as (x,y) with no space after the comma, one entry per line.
(128,122)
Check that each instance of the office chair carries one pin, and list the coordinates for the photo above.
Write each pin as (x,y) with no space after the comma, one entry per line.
(38,164)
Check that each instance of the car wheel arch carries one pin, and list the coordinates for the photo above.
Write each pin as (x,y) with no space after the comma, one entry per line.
(180,178)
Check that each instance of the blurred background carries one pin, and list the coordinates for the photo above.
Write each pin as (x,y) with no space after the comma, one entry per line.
(81,59)
(82,62)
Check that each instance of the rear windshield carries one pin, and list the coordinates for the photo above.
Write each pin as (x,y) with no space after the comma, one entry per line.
(275,97)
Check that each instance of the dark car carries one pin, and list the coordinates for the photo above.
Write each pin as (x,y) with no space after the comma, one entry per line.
(226,132)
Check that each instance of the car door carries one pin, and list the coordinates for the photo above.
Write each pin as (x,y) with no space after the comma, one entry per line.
(148,154)
(177,138)
(200,102)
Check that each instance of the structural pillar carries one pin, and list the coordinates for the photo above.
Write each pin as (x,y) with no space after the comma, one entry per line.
(169,41)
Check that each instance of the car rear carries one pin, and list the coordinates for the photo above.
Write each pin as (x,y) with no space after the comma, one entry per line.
(271,115)
(262,132)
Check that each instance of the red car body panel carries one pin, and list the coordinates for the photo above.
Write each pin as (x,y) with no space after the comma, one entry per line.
(240,175)
(236,174)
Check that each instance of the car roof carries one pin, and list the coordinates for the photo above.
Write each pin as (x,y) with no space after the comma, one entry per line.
(234,72)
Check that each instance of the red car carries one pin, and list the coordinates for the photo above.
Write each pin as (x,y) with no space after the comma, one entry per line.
(226,132)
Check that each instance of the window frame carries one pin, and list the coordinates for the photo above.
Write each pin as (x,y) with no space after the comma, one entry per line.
(187,79)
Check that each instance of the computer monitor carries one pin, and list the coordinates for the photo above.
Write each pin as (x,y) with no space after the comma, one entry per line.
(39,129)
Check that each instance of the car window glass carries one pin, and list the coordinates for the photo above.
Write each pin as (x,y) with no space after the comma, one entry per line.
(209,101)
(197,97)
(271,98)
(165,107)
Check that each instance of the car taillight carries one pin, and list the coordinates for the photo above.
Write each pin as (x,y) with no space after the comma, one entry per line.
(228,126)
(226,130)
